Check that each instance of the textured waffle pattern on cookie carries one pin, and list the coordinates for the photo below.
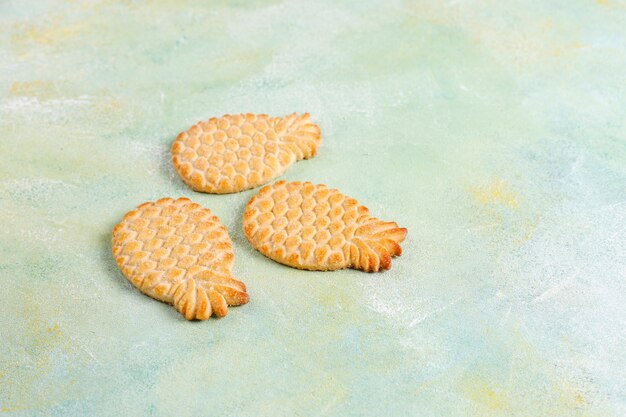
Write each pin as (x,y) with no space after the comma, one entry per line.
(178,252)
(237,152)
(309,226)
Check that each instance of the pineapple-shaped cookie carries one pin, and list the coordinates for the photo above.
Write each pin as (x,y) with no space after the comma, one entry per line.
(309,226)
(178,252)
(238,152)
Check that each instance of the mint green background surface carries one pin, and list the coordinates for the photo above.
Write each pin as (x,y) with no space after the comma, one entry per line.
(495,131)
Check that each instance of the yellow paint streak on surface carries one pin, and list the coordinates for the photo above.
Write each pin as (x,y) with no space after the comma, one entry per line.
(46,346)
(498,192)
(49,32)
(531,44)
(570,397)
(41,89)
(531,387)
(482,392)
(530,231)
(503,215)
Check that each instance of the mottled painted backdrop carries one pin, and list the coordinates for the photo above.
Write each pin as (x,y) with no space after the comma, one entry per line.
(495,131)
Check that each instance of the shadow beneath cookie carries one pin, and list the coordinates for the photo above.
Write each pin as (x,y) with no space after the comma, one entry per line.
(236,233)
(108,261)
(166,168)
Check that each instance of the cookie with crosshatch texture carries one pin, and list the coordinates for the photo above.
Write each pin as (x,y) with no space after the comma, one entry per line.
(238,152)
(178,252)
(309,226)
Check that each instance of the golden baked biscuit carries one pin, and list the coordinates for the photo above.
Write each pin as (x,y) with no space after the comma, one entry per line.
(309,226)
(178,252)
(237,152)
